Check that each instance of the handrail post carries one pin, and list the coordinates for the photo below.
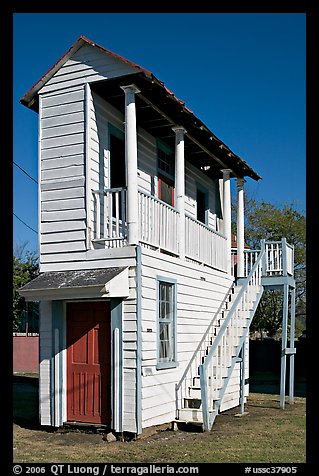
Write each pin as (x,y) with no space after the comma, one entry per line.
(242,378)
(292,346)
(204,396)
(264,259)
(284,256)
(284,345)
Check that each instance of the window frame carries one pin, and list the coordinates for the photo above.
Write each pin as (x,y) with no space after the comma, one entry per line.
(119,134)
(173,363)
(162,175)
(160,145)
(205,191)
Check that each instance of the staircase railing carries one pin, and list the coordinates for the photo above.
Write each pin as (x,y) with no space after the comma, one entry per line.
(191,369)
(224,347)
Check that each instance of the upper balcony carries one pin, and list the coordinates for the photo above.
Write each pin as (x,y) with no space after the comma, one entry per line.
(158,228)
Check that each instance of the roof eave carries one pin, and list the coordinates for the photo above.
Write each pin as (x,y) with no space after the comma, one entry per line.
(30,98)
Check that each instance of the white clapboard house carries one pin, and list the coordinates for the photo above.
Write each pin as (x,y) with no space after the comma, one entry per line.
(142,319)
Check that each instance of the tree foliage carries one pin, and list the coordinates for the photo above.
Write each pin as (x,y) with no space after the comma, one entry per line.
(25,268)
(264,220)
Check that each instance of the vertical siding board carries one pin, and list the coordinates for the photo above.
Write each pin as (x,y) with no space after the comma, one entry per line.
(39,176)
(87,164)
(129,364)
(45,354)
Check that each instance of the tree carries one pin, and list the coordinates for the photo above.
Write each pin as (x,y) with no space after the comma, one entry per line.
(25,268)
(264,220)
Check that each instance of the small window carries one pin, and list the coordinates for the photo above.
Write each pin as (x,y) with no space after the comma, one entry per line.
(166,173)
(165,161)
(202,205)
(166,324)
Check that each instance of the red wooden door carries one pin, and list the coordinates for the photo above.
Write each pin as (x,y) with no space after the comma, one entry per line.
(88,362)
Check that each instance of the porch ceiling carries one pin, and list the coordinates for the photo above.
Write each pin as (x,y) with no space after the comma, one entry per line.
(157,110)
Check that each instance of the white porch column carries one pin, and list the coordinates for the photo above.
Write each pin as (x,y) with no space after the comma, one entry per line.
(180,186)
(240,227)
(131,163)
(227,216)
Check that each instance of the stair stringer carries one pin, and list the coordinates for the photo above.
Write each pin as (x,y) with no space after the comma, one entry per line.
(209,414)
(239,348)
(200,402)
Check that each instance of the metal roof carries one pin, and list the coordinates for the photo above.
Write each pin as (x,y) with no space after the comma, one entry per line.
(205,150)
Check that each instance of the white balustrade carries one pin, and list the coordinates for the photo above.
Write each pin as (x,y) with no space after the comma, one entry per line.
(204,245)
(157,223)
(110,216)
(290,259)
(277,262)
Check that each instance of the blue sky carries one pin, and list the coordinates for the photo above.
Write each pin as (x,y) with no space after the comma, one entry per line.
(242,74)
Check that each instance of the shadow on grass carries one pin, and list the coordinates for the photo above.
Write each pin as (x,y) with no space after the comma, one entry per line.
(26,401)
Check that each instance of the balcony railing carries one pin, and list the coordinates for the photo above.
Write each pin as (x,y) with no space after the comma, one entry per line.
(158,223)
(204,245)
(158,227)
(278,261)
(110,217)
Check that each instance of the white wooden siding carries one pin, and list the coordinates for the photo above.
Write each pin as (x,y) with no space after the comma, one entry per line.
(86,65)
(45,353)
(62,151)
(62,175)
(197,301)
(92,259)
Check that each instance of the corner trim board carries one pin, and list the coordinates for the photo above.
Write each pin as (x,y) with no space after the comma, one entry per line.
(139,339)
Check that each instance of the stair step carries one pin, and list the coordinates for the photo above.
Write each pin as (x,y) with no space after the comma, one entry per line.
(190,415)
(196,381)
(216,359)
(193,403)
(195,393)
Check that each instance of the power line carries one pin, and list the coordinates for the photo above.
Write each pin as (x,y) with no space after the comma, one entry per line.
(25,223)
(25,172)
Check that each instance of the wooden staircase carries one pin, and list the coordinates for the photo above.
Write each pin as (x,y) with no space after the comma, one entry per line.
(202,388)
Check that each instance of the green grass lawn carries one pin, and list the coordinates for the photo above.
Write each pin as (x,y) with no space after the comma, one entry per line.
(268,434)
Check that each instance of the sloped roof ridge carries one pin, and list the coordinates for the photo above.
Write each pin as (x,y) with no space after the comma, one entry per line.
(28,97)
